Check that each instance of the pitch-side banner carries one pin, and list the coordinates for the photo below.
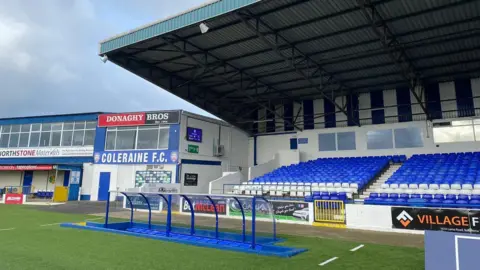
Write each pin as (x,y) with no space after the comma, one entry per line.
(46,152)
(464,221)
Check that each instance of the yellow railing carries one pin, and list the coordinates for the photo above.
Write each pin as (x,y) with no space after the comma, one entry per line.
(329,211)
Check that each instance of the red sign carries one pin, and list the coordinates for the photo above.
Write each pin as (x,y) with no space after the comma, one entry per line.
(26,168)
(121,119)
(11,198)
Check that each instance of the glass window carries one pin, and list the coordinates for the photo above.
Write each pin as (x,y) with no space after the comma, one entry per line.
(78,137)
(6,129)
(125,139)
(91,125)
(25,128)
(4,140)
(15,128)
(327,142)
(408,138)
(89,137)
(46,127)
(346,141)
(23,139)
(14,140)
(44,139)
(477,133)
(147,138)
(36,127)
(57,127)
(67,138)
(453,134)
(111,136)
(80,125)
(34,139)
(380,139)
(163,138)
(56,138)
(68,126)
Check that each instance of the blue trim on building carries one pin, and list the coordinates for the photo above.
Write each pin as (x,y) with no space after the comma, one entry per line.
(85,197)
(100,137)
(70,167)
(254,150)
(353,116)
(288,116)
(376,102)
(274,134)
(404,104)
(174,137)
(50,119)
(52,161)
(198,15)
(464,96)
(201,162)
(308,114)
(432,95)
(330,115)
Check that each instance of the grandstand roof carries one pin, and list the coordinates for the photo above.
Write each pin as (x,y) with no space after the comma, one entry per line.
(261,53)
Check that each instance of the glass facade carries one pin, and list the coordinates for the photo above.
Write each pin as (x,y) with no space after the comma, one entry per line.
(79,133)
(137,138)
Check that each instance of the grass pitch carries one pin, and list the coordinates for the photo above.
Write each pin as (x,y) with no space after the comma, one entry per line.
(33,239)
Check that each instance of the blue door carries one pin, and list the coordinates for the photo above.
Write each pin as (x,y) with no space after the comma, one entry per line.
(66,178)
(103,186)
(27,182)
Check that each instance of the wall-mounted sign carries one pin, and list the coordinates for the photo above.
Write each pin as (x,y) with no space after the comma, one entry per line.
(136,157)
(190,179)
(194,134)
(192,149)
(302,140)
(466,221)
(148,177)
(138,118)
(26,168)
(46,152)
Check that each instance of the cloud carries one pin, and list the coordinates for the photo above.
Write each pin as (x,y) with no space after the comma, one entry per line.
(49,61)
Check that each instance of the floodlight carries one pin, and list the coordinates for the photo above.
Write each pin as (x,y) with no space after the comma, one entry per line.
(104,58)
(203,28)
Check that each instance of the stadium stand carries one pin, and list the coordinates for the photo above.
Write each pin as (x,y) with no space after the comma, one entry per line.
(448,180)
(323,178)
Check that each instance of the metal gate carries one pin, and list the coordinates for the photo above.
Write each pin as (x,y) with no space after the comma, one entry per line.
(329,211)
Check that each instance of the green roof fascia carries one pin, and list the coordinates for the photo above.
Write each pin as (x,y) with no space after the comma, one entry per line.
(193,16)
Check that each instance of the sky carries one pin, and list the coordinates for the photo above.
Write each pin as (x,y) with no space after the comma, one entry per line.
(49,61)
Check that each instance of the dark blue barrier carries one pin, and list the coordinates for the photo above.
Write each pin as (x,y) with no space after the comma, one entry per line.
(451,251)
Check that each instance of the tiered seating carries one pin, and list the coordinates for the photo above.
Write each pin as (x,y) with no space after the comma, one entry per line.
(433,179)
(318,178)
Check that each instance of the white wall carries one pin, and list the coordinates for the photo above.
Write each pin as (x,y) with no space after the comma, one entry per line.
(122,177)
(267,146)
(206,174)
(372,217)
(215,132)
(216,186)
(10,178)
(263,168)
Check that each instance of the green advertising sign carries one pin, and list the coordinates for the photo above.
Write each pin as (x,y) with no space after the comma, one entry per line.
(192,149)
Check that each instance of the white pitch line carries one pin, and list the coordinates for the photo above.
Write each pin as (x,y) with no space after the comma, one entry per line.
(328,261)
(9,229)
(51,224)
(357,248)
